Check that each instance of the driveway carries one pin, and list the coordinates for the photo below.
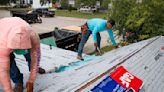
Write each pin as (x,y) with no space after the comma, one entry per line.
(48,24)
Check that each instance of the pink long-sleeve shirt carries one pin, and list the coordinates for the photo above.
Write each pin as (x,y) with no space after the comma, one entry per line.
(15,33)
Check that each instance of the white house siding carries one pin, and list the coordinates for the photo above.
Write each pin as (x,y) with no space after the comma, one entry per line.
(71,2)
(36,4)
(98,4)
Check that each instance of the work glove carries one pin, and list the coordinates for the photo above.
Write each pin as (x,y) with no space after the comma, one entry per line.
(29,86)
(95,44)
(84,29)
(97,50)
(116,46)
(99,53)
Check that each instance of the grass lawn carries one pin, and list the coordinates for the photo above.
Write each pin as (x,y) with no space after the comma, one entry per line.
(73,13)
(76,14)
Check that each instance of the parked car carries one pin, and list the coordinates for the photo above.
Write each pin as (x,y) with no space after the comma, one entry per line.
(87,9)
(44,12)
(30,17)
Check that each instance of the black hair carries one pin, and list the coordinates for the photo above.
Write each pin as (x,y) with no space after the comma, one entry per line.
(111,21)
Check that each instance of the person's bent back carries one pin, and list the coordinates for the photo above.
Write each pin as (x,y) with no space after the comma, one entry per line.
(15,33)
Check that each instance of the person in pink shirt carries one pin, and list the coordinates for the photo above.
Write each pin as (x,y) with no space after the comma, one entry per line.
(15,33)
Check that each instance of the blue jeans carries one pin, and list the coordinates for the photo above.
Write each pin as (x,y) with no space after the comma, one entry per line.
(84,39)
(15,74)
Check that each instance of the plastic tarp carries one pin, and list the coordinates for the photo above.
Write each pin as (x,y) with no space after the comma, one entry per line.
(49,41)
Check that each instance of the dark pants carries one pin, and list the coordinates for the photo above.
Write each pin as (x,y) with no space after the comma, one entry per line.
(84,39)
(15,74)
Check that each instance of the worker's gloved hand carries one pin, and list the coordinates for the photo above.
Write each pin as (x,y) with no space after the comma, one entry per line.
(116,46)
(84,29)
(98,52)
(29,86)
(95,44)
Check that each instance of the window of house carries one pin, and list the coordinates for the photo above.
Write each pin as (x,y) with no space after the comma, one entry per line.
(31,1)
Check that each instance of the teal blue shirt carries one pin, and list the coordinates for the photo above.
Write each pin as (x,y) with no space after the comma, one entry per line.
(98,25)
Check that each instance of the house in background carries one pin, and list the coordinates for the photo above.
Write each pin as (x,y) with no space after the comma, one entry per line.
(36,3)
(67,3)
(43,4)
(71,2)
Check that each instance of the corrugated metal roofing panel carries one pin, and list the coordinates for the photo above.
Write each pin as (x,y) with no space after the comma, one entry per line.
(139,62)
(147,64)
(149,67)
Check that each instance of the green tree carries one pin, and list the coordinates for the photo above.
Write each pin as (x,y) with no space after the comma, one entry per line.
(148,16)
(64,4)
(4,2)
(77,3)
(145,16)
(104,3)
(70,8)
(85,2)
(54,1)
(121,9)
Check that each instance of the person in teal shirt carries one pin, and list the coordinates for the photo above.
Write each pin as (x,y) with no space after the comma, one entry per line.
(94,27)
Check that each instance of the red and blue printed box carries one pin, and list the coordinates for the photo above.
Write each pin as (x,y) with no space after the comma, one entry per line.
(108,85)
(119,81)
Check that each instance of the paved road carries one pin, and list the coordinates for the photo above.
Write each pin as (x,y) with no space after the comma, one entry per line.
(4,13)
(49,24)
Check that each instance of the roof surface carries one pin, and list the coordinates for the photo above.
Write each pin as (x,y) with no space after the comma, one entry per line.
(143,59)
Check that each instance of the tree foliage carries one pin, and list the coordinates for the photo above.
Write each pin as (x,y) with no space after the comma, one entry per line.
(121,9)
(4,2)
(64,4)
(104,3)
(145,17)
(85,2)
(54,1)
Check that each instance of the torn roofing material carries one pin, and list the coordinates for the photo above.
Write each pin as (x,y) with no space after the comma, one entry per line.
(143,59)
